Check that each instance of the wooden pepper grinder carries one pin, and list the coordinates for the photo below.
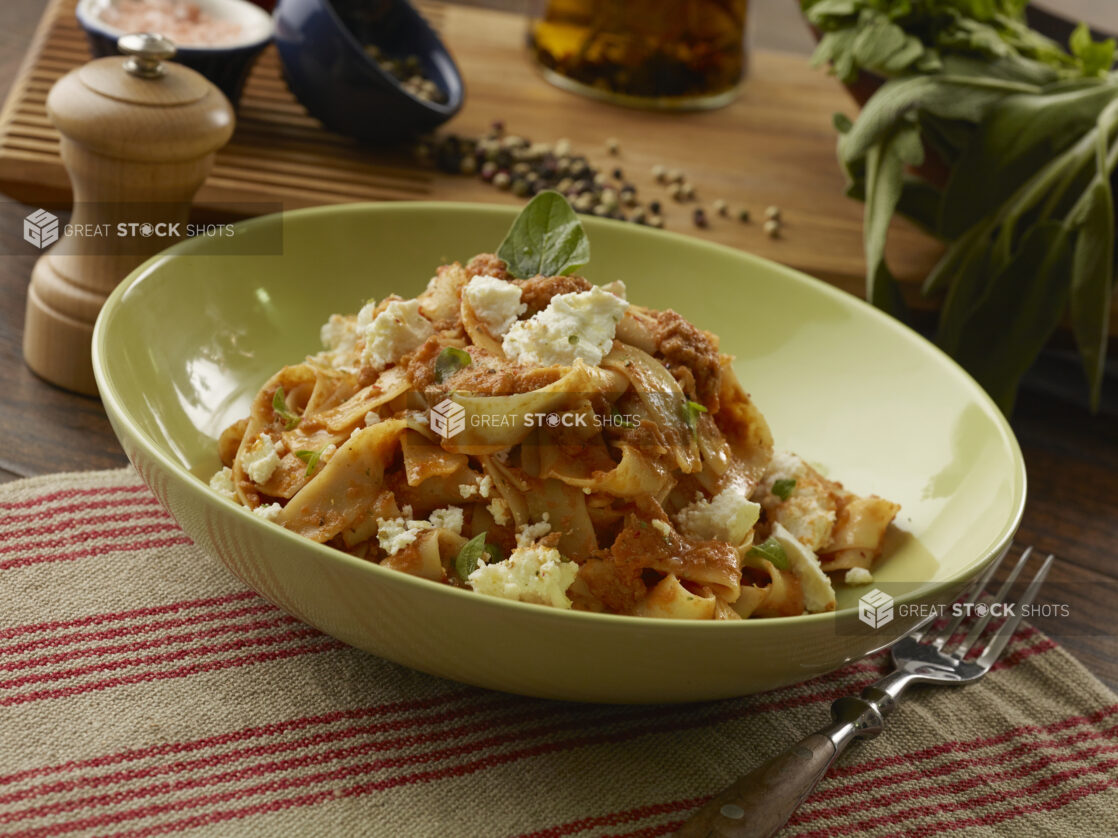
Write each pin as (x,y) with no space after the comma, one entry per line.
(138,138)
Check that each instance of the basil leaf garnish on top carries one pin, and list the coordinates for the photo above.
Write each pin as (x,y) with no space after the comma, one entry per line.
(772,550)
(451,360)
(469,556)
(547,238)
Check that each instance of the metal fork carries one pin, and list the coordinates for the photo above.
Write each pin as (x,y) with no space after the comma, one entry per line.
(759,803)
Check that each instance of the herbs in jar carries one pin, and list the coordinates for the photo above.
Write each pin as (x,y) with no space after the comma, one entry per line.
(663,53)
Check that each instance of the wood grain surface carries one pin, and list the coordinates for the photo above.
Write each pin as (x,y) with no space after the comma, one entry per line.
(1072,457)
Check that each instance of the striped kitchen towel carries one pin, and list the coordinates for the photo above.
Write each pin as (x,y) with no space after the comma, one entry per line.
(144,691)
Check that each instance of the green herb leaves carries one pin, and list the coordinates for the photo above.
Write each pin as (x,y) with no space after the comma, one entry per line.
(1029,134)
(469,557)
(547,238)
(901,37)
(466,561)
(279,405)
(784,487)
(1095,58)
(691,411)
(772,550)
(450,360)
(311,458)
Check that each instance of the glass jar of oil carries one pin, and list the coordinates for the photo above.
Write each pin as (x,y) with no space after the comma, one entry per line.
(687,54)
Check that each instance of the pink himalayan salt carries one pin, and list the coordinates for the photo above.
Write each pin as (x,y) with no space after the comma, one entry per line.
(184,23)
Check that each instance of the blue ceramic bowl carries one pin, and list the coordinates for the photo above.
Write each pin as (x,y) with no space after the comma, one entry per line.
(227,66)
(322,47)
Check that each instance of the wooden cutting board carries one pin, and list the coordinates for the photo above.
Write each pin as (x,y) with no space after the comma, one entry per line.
(775,146)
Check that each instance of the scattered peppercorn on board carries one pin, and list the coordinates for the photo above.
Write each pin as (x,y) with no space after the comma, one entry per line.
(773,147)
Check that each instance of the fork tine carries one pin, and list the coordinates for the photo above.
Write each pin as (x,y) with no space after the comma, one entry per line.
(1007,629)
(973,593)
(961,650)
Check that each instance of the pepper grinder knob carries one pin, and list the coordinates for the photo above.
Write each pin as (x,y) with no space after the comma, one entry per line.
(148,51)
(138,137)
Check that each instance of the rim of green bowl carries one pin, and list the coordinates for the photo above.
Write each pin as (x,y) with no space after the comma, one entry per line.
(111,399)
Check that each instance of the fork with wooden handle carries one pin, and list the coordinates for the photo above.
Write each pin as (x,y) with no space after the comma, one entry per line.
(759,803)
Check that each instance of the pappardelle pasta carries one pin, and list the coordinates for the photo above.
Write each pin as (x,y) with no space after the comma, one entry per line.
(545,440)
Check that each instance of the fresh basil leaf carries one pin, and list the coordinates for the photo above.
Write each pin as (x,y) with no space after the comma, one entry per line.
(311,458)
(784,487)
(1095,57)
(545,239)
(1092,272)
(279,406)
(1017,138)
(494,552)
(449,361)
(945,96)
(1018,312)
(772,550)
(964,272)
(885,168)
(469,556)
(960,253)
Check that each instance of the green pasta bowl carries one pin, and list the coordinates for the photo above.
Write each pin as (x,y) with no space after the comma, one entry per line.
(186,341)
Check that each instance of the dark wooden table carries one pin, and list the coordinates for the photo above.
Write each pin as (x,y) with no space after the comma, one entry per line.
(1072,457)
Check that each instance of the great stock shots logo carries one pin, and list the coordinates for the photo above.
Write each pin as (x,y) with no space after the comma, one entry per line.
(40,229)
(448,419)
(875,609)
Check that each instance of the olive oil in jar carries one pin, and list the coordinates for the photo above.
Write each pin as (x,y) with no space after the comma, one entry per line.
(649,53)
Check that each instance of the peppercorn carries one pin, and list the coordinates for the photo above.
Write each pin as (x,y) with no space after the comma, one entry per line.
(655,207)
(613,146)
(773,213)
(675,176)
(743,216)
(655,221)
(720,207)
(618,174)
(659,173)
(772,228)
(502,180)
(676,191)
(699,217)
